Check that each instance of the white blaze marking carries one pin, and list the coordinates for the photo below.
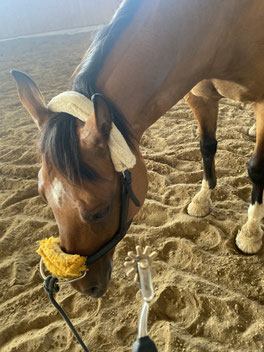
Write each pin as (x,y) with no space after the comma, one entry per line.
(57,191)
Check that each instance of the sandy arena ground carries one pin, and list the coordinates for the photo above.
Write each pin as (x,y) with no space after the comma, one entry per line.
(209,298)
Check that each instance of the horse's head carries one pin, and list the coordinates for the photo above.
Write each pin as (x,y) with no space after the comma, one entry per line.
(78,181)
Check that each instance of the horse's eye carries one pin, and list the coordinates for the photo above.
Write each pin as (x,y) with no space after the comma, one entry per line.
(100,214)
(88,217)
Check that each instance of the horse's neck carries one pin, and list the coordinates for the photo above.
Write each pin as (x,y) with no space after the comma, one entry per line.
(167,48)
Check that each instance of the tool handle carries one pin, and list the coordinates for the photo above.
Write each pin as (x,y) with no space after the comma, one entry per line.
(144,344)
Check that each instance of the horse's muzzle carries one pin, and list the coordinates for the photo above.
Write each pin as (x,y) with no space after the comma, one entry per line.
(95,291)
(96,281)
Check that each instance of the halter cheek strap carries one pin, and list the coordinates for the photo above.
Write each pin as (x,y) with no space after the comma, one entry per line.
(126,194)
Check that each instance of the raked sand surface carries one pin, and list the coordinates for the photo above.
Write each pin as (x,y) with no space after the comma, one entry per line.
(209,297)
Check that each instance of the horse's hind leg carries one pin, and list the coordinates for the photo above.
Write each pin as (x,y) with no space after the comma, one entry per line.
(205,109)
(249,239)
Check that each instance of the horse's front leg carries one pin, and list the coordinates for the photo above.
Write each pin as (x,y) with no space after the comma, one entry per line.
(249,239)
(205,110)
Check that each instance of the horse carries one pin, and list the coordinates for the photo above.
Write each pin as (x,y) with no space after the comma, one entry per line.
(152,54)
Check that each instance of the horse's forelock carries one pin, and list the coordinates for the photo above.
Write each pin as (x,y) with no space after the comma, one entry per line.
(59,146)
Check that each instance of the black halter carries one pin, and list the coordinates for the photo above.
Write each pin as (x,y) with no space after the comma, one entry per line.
(126,194)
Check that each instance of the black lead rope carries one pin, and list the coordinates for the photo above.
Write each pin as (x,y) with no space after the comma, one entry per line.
(51,287)
(142,344)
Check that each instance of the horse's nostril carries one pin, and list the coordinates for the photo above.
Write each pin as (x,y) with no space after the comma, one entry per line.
(94,290)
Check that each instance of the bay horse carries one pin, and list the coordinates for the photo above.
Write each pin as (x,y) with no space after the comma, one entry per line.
(151,54)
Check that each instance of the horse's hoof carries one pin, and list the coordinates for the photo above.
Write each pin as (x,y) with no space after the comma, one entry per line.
(246,244)
(199,210)
(252,131)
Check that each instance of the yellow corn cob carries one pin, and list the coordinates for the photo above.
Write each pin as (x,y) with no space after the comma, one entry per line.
(60,264)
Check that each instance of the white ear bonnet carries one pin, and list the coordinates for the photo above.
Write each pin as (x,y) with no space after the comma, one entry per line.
(80,106)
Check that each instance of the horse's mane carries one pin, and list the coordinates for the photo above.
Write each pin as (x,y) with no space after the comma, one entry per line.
(87,72)
(59,143)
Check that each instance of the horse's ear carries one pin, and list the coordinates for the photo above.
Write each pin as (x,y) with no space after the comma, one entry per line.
(102,115)
(31,97)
